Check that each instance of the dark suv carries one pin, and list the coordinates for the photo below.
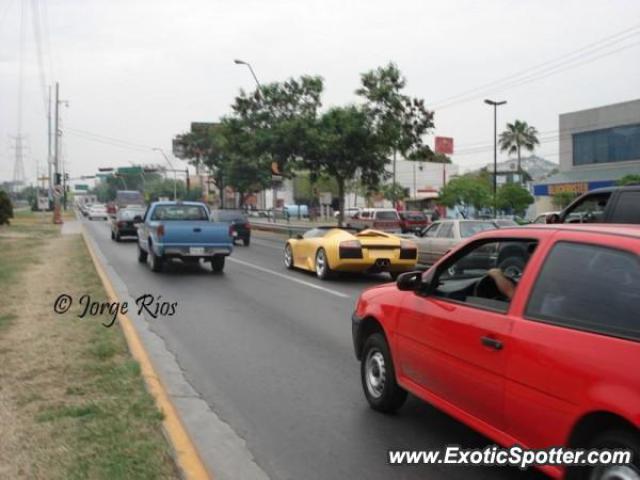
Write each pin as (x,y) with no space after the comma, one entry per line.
(241,228)
(603,205)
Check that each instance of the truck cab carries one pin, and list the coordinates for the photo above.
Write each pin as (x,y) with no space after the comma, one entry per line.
(603,205)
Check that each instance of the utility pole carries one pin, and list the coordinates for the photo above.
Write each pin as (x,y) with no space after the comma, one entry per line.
(57,216)
(175,175)
(49,156)
(262,96)
(495,152)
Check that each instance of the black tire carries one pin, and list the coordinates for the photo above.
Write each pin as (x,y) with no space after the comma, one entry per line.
(117,237)
(113,237)
(612,439)
(217,263)
(142,255)
(246,241)
(512,266)
(323,269)
(378,376)
(155,262)
(288,260)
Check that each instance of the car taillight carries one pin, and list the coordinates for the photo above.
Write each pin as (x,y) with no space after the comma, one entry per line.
(248,226)
(122,224)
(350,249)
(160,231)
(231,230)
(408,250)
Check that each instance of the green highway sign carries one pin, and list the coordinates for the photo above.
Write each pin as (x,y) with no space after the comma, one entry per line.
(81,186)
(130,170)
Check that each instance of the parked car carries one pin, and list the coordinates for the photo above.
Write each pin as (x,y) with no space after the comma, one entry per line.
(239,222)
(125,222)
(441,236)
(550,366)
(384,219)
(603,205)
(412,221)
(327,250)
(97,211)
(182,230)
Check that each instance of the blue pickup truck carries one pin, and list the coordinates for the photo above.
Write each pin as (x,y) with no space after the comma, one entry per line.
(182,230)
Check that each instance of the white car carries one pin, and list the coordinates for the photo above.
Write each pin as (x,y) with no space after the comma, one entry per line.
(98,212)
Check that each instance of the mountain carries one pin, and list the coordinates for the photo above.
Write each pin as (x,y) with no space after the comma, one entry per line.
(535,166)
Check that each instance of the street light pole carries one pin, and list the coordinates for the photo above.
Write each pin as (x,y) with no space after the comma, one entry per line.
(242,62)
(495,105)
(175,174)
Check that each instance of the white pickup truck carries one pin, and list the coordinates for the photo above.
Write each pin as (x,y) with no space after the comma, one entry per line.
(384,219)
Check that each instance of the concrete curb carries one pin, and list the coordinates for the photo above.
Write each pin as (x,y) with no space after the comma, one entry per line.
(189,421)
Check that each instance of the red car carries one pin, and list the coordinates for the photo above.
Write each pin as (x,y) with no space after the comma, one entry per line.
(552,360)
(412,221)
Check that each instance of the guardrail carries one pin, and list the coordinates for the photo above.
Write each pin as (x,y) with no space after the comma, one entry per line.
(282,229)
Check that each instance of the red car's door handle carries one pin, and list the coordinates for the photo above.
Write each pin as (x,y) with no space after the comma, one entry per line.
(491,343)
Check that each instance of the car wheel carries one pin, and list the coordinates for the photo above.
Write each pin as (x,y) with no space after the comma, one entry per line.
(512,267)
(155,262)
(217,263)
(113,237)
(613,439)
(323,270)
(288,256)
(117,237)
(378,376)
(142,255)
(246,241)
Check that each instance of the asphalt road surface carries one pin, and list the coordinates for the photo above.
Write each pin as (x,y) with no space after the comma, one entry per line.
(270,351)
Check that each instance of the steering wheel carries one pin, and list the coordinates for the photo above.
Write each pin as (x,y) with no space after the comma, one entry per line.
(487,288)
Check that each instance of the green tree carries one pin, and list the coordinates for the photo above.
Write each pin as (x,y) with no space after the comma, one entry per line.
(398,119)
(394,191)
(515,137)
(514,197)
(561,199)
(6,208)
(466,191)
(631,179)
(347,146)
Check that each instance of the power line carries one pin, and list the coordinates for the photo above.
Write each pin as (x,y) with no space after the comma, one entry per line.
(546,68)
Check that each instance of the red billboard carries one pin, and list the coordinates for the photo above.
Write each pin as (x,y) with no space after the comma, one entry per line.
(444,145)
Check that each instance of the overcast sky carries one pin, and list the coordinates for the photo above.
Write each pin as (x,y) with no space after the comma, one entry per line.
(142,70)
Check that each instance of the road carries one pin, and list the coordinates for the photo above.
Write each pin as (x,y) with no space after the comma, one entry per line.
(270,351)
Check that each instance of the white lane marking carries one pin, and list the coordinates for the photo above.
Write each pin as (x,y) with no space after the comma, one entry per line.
(287,277)
(263,243)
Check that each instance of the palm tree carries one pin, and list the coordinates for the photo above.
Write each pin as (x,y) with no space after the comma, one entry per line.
(518,135)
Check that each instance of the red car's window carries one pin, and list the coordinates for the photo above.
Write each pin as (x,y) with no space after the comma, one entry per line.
(589,287)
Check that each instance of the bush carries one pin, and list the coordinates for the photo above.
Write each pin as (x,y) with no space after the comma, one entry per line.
(6,208)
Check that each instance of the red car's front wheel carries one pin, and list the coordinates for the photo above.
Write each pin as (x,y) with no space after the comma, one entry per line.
(379,377)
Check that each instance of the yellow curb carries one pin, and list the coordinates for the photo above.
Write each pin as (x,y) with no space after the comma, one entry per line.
(186,454)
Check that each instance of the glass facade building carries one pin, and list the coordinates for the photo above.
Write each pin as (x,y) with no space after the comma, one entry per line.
(609,145)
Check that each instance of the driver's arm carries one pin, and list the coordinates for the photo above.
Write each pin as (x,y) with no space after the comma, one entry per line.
(506,286)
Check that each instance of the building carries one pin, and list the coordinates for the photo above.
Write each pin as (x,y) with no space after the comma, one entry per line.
(598,147)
